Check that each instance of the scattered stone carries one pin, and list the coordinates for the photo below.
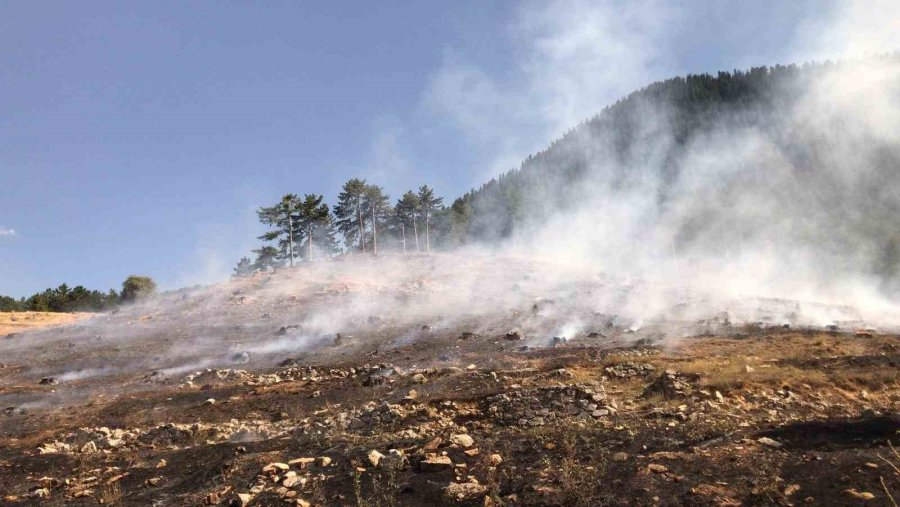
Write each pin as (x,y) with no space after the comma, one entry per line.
(433,444)
(464,492)
(768,442)
(462,440)
(302,462)
(859,495)
(629,369)
(242,499)
(494,459)
(374,457)
(471,367)
(274,467)
(436,464)
(210,401)
(790,490)
(657,468)
(419,378)
(544,405)
(620,456)
(323,461)
(514,335)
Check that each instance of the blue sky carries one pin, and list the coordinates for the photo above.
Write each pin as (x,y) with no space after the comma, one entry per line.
(139,137)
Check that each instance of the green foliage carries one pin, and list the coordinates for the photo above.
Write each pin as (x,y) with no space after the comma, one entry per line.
(349,213)
(244,267)
(316,227)
(285,219)
(62,299)
(137,287)
(8,304)
(267,258)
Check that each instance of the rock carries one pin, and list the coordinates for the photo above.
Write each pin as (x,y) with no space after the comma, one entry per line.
(471,367)
(272,467)
(242,499)
(395,460)
(210,401)
(40,493)
(657,468)
(514,335)
(465,491)
(374,457)
(620,456)
(462,440)
(790,490)
(768,442)
(89,447)
(860,495)
(289,482)
(419,378)
(323,461)
(433,444)
(301,462)
(436,464)
(494,459)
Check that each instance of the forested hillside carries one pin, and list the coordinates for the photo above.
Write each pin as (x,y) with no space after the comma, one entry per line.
(714,162)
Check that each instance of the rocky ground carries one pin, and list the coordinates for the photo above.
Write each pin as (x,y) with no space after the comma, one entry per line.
(755,414)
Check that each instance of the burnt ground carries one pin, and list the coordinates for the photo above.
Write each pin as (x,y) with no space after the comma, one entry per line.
(763,417)
(449,386)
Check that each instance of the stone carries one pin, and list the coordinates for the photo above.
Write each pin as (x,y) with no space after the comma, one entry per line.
(657,468)
(418,378)
(210,401)
(302,462)
(465,491)
(242,499)
(860,495)
(494,459)
(374,457)
(272,467)
(462,440)
(471,367)
(436,464)
(620,456)
(768,442)
(433,444)
(323,461)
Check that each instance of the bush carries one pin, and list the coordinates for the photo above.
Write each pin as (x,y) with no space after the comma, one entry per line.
(137,287)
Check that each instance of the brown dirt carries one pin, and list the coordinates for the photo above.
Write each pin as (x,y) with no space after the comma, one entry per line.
(832,415)
(16,322)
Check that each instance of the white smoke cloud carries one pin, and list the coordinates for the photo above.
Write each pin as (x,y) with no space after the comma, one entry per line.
(571,60)
(7,231)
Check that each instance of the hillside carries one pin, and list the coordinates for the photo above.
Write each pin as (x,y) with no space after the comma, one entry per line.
(799,157)
(423,380)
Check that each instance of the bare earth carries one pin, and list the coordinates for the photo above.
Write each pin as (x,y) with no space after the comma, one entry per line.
(14,322)
(450,413)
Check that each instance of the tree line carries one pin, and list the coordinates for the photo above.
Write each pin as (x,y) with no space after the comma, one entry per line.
(308,228)
(79,298)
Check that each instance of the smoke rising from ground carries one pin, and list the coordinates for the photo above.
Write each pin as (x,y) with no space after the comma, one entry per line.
(780,215)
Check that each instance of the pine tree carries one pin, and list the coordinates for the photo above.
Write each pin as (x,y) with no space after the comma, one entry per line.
(428,204)
(285,217)
(349,212)
(244,268)
(378,210)
(406,214)
(315,222)
(267,257)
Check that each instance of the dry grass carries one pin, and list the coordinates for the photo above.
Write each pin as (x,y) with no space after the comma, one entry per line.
(16,322)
